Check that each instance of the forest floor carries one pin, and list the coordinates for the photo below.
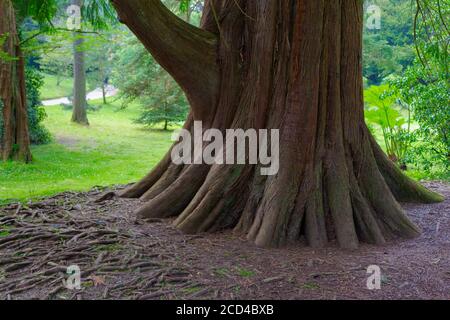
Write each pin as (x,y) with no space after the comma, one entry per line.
(124,258)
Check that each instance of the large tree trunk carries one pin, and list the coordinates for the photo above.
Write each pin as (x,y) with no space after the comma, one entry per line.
(293,65)
(79,114)
(14,140)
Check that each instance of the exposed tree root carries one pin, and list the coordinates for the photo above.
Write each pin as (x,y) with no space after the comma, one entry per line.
(404,188)
(38,247)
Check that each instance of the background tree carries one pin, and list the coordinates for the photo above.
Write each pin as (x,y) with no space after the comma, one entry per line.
(15,136)
(390,49)
(290,65)
(167,105)
(140,78)
(15,140)
(79,114)
(98,14)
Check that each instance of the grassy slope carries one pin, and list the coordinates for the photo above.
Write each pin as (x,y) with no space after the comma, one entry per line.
(51,91)
(113,150)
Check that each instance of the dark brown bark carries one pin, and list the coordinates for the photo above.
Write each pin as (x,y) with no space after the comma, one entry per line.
(14,140)
(79,114)
(284,64)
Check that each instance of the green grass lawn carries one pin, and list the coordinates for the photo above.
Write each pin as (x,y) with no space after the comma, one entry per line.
(52,91)
(113,150)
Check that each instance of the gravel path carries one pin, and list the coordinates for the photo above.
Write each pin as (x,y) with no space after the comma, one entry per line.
(93,95)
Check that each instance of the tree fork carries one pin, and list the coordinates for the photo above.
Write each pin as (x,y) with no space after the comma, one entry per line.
(188,53)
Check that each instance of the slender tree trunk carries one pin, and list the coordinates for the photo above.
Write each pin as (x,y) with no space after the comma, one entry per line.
(104,93)
(79,114)
(14,140)
(278,64)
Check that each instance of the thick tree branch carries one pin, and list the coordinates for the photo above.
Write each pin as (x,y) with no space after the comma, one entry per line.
(188,53)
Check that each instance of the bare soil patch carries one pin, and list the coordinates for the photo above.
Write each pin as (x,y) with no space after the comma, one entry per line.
(69,142)
(122,258)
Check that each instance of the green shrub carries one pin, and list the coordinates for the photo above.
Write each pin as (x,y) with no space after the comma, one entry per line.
(36,113)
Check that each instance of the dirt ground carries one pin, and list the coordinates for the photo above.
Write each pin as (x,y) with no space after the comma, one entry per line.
(121,258)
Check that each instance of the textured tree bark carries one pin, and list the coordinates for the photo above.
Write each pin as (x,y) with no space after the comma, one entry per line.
(293,65)
(14,140)
(79,114)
